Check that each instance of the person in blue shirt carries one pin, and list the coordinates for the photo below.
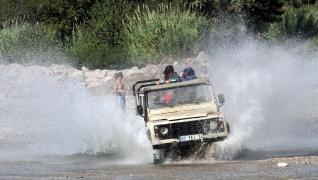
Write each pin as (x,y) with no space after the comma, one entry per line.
(188,74)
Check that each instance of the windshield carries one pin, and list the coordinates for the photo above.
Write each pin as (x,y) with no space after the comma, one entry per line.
(179,96)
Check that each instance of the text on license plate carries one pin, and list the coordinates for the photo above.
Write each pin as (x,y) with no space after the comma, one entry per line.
(190,137)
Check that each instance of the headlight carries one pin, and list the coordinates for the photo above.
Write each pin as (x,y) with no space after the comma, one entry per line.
(156,128)
(213,125)
(206,128)
(164,131)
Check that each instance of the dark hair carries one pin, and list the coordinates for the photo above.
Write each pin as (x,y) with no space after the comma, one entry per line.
(117,75)
(169,70)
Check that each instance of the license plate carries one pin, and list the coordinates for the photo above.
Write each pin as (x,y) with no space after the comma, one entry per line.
(190,137)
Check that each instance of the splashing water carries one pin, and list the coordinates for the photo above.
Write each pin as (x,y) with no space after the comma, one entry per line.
(272,95)
(271,99)
(45,114)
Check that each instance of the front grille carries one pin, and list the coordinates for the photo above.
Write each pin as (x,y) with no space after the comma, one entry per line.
(187,128)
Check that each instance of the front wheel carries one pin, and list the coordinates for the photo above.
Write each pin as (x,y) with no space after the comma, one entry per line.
(228,127)
(159,156)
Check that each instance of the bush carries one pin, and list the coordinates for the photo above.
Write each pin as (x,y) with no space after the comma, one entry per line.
(165,32)
(107,19)
(11,11)
(64,14)
(19,40)
(296,23)
(100,42)
(89,51)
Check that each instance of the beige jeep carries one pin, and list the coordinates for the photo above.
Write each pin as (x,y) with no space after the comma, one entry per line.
(180,115)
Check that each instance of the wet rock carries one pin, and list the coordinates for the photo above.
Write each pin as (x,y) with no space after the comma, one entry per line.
(100,81)
(84,68)
(94,84)
(304,162)
(282,164)
(76,74)
(95,74)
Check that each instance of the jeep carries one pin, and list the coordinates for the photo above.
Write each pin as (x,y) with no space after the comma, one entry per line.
(180,114)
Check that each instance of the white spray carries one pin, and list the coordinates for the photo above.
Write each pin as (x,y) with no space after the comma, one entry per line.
(272,97)
(45,114)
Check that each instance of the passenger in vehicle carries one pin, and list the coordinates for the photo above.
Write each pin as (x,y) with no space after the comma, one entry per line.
(119,90)
(188,74)
(160,99)
(167,97)
(169,75)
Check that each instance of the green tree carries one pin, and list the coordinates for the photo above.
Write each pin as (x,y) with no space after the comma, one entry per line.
(258,14)
(299,3)
(100,42)
(107,21)
(296,23)
(16,11)
(63,14)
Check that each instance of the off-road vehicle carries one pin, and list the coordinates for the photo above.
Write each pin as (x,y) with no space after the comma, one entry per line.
(180,114)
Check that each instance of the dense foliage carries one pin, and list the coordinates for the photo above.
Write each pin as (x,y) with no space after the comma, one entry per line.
(20,40)
(101,41)
(120,33)
(297,23)
(153,35)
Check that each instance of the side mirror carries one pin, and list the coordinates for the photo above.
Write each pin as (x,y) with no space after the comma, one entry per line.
(221,99)
(140,110)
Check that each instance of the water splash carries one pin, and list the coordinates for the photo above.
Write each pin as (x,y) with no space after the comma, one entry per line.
(43,113)
(271,98)
(272,95)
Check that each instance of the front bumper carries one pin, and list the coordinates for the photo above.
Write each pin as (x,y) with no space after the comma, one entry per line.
(169,143)
(176,144)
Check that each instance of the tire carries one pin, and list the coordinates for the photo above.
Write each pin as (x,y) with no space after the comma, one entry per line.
(148,135)
(159,156)
(157,161)
(228,127)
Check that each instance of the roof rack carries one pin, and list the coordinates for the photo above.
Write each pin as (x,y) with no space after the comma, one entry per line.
(163,86)
(140,84)
(150,85)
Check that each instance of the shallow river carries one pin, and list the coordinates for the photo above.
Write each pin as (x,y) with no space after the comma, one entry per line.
(104,167)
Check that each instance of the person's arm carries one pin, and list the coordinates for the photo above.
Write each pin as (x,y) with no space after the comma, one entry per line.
(161,79)
(115,87)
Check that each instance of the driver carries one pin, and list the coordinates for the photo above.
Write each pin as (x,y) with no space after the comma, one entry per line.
(167,97)
(161,98)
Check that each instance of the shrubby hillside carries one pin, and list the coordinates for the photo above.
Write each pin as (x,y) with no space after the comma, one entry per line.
(123,33)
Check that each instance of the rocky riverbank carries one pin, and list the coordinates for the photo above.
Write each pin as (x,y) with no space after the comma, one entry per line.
(99,81)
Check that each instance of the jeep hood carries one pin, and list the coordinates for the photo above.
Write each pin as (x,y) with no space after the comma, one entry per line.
(183,112)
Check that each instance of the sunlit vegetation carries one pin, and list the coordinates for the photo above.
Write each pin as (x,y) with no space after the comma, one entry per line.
(122,33)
